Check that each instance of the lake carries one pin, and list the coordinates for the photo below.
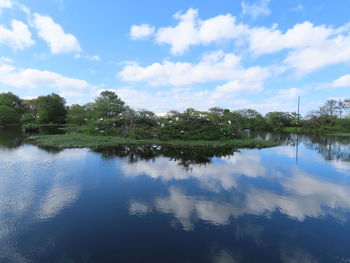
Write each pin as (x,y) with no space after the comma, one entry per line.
(163,204)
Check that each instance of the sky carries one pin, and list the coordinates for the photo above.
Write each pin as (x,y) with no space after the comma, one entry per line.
(164,55)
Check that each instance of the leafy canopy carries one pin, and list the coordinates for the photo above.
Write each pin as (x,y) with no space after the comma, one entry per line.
(108,106)
(51,109)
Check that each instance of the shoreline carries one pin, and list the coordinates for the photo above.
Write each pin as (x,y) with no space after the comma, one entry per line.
(69,141)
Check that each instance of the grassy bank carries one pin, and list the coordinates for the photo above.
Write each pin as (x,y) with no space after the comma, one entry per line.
(63,141)
(321,131)
(342,134)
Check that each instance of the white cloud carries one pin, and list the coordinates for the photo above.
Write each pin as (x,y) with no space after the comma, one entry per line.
(310,47)
(53,34)
(183,35)
(284,96)
(235,86)
(193,31)
(33,78)
(18,37)
(215,66)
(5,60)
(298,8)
(212,68)
(92,58)
(141,31)
(256,9)
(264,40)
(45,81)
(219,28)
(343,81)
(5,4)
(328,52)
(180,99)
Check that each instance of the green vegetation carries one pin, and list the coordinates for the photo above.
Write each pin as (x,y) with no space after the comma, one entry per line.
(62,141)
(8,116)
(328,119)
(341,134)
(108,120)
(10,109)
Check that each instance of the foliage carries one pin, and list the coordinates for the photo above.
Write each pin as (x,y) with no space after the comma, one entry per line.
(278,119)
(51,109)
(108,115)
(10,109)
(108,106)
(11,100)
(78,115)
(8,115)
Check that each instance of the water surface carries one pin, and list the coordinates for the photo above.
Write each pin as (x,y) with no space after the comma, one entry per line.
(150,204)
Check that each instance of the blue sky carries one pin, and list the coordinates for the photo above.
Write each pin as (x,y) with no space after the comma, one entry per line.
(163,55)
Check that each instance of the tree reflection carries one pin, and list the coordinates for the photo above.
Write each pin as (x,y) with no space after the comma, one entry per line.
(331,147)
(11,137)
(185,156)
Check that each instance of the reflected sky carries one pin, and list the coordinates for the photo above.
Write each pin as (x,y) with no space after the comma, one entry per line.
(149,204)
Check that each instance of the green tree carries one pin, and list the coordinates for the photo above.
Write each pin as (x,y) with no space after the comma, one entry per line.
(79,115)
(51,109)
(329,108)
(11,100)
(279,119)
(249,113)
(108,106)
(11,108)
(8,115)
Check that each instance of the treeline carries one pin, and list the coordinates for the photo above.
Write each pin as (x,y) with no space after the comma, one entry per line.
(109,115)
(331,116)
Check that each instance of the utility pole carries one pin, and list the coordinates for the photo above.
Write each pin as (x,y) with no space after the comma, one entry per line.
(298,105)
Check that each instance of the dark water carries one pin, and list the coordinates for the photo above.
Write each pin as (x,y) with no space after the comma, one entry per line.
(149,204)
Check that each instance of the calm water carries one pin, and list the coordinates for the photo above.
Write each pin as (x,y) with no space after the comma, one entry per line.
(149,204)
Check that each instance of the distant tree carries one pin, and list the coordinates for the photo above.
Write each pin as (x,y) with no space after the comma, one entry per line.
(30,111)
(346,104)
(51,109)
(173,114)
(217,110)
(8,115)
(249,113)
(78,115)
(11,100)
(11,108)
(108,106)
(146,118)
(279,119)
(329,108)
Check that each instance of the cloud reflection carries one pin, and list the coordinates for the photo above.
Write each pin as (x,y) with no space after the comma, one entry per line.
(34,186)
(302,195)
(214,176)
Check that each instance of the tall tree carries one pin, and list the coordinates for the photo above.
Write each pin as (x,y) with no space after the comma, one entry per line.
(10,108)
(329,108)
(51,109)
(108,106)
(11,100)
(8,115)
